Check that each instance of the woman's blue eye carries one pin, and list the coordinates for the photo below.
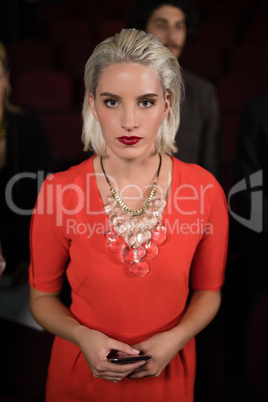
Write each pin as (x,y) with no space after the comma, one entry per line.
(111,102)
(146,103)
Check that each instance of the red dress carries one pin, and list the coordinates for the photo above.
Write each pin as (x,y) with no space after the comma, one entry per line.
(67,234)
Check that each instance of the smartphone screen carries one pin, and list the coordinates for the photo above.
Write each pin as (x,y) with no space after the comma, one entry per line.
(114,358)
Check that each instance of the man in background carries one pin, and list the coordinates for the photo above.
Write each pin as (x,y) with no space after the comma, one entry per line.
(198,137)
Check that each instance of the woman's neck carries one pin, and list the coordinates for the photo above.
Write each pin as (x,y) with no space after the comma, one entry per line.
(131,170)
(133,180)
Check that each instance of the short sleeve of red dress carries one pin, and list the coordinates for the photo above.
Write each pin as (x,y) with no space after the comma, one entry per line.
(208,265)
(49,246)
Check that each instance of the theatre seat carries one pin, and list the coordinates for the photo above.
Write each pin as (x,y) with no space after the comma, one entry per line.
(236,89)
(40,91)
(64,130)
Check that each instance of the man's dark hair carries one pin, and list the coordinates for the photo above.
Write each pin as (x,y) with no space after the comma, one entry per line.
(143,10)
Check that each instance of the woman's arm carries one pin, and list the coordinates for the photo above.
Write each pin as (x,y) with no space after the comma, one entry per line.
(202,308)
(55,317)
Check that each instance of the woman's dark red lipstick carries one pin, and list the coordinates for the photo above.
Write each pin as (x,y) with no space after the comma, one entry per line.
(129,140)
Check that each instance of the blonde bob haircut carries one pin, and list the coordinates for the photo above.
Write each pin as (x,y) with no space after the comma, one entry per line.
(132,46)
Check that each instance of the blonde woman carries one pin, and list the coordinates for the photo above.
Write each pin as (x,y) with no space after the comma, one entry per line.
(141,236)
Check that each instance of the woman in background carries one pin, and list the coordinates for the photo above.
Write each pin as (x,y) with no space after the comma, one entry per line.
(24,151)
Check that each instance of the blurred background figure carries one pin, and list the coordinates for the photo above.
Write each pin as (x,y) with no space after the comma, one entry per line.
(198,137)
(251,158)
(24,151)
(25,160)
(247,285)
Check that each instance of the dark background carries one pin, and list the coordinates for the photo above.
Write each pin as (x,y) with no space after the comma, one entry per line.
(230,49)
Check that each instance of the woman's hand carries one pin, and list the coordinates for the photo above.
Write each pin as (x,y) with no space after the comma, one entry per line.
(162,347)
(202,308)
(50,312)
(96,346)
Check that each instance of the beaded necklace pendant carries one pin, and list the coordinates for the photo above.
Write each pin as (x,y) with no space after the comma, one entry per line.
(135,234)
(135,239)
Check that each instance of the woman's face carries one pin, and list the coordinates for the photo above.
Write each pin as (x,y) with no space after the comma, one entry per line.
(129,105)
(3,83)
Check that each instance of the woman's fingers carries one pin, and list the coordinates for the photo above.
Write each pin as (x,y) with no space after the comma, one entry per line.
(140,372)
(117,372)
(123,348)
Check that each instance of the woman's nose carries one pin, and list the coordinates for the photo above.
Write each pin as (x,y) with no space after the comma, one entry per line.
(129,119)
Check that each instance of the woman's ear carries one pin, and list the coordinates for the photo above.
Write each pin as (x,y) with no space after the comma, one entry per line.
(167,106)
(92,105)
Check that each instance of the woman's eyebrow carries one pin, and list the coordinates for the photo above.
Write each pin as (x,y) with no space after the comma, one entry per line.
(149,94)
(110,95)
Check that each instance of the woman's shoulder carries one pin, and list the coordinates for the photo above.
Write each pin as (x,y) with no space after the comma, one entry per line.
(75,174)
(193,174)
(191,169)
(193,182)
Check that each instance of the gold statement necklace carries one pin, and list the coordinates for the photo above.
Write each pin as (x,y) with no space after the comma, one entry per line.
(135,234)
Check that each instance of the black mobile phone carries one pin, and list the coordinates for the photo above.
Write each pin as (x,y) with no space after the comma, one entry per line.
(115,358)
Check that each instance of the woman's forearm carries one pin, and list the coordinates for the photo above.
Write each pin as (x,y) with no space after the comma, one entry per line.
(202,308)
(48,310)
(56,318)
(164,346)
